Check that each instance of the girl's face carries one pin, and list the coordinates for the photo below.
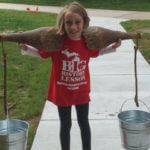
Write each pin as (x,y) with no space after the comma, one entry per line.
(74,25)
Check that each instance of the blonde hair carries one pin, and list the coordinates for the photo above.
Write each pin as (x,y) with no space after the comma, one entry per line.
(74,7)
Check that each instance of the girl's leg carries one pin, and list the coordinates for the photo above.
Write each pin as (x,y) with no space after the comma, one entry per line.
(65,126)
(83,121)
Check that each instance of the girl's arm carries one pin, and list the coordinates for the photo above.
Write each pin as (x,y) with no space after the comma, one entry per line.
(29,50)
(111,48)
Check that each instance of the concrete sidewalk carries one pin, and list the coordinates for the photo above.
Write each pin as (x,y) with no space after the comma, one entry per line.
(112,81)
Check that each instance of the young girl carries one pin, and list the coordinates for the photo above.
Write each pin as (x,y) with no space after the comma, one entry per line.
(70,79)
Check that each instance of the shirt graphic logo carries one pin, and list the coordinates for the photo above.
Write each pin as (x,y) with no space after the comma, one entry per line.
(68,54)
(73,70)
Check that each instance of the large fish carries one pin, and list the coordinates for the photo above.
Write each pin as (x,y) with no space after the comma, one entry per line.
(48,39)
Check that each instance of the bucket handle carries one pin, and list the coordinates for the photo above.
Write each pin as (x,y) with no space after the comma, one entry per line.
(139,101)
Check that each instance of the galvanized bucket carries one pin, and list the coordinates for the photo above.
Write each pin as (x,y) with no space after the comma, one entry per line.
(135,129)
(13,134)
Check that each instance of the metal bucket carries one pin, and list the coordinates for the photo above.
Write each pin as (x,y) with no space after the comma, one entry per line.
(13,134)
(135,129)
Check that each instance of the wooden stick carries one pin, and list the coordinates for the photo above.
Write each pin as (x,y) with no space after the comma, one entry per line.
(12,107)
(135,71)
(5,78)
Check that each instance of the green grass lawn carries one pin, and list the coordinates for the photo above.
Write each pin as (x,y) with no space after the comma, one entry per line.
(143,27)
(139,5)
(28,77)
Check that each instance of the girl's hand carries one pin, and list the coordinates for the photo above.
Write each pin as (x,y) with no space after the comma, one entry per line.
(23,46)
(117,44)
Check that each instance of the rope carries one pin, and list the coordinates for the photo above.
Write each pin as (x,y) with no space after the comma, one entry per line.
(135,73)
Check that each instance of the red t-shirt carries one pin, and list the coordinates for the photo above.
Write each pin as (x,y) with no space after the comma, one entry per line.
(70,78)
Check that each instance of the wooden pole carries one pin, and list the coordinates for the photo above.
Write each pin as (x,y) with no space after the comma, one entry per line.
(5,78)
(135,71)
